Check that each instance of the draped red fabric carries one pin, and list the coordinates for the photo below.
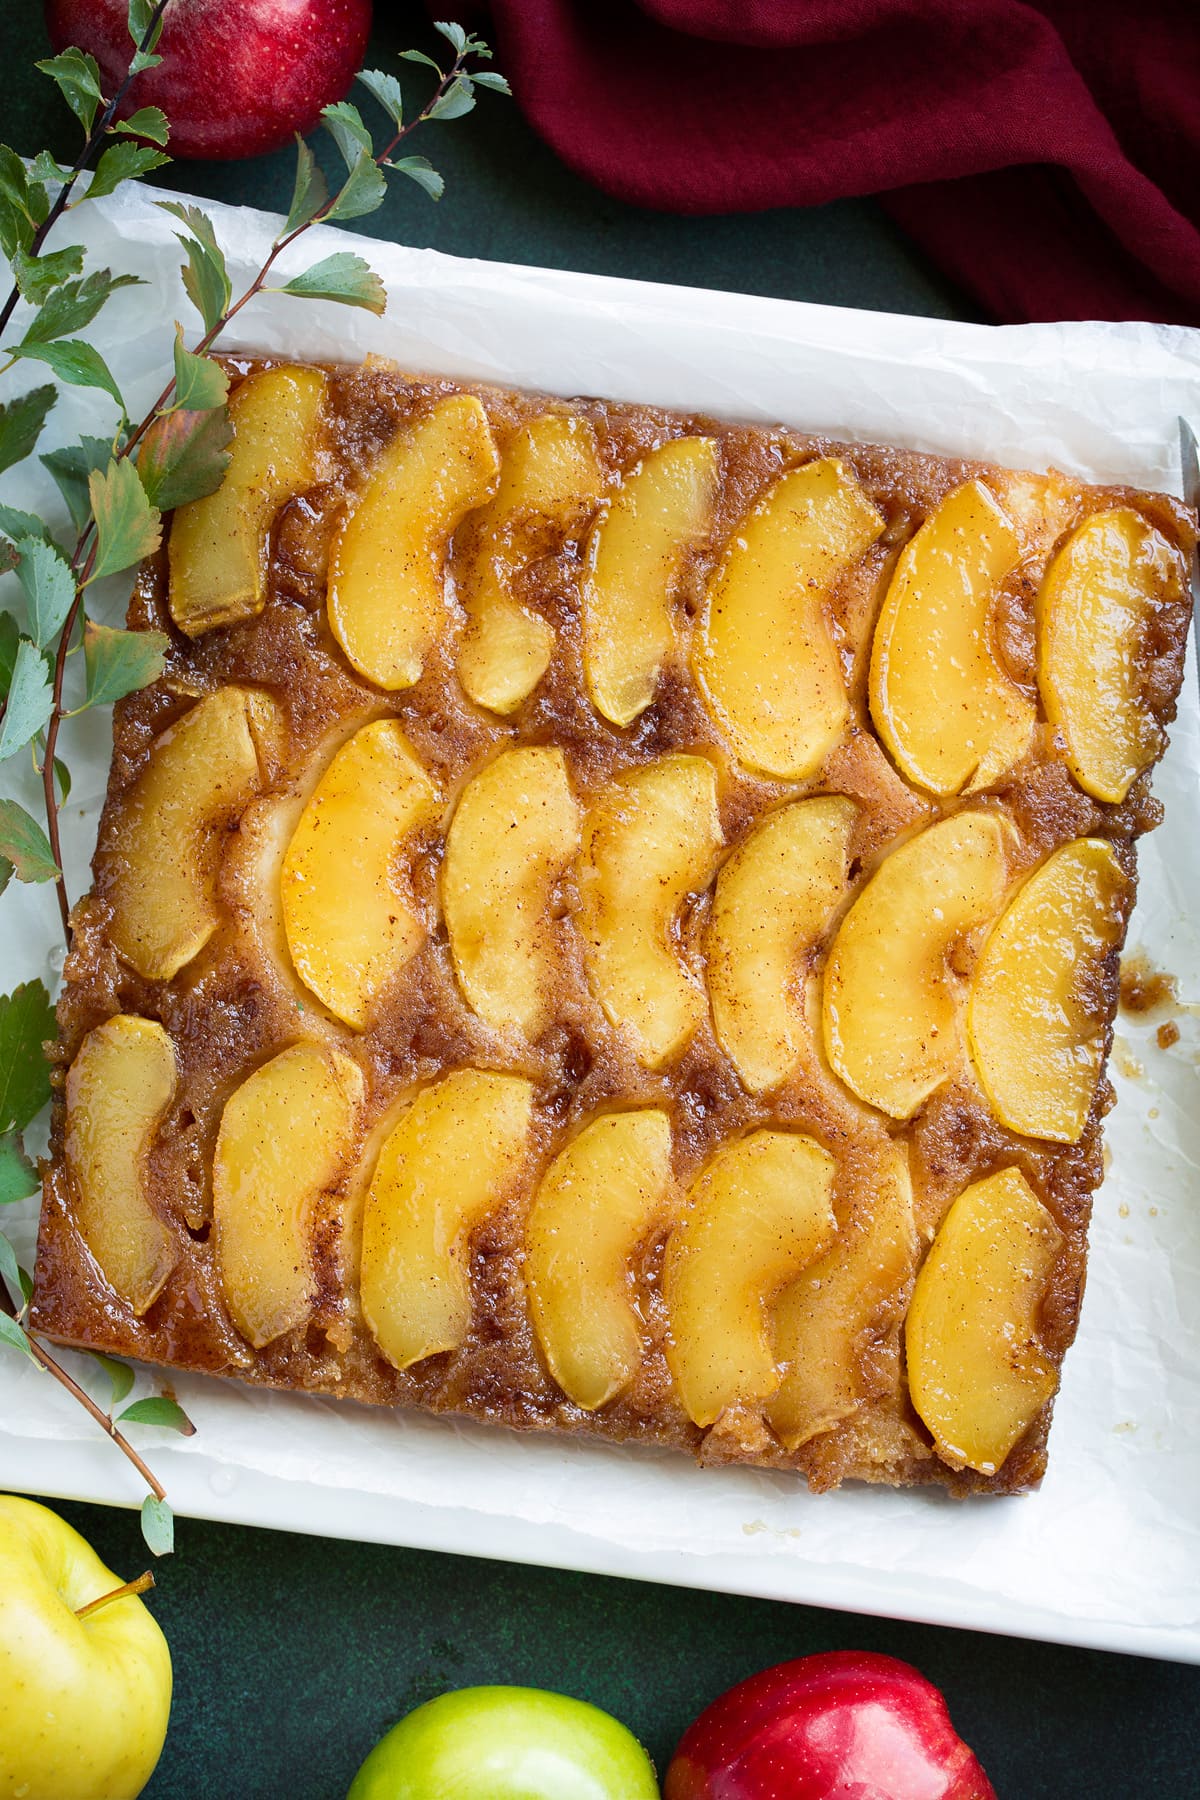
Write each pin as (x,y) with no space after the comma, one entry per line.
(1046,156)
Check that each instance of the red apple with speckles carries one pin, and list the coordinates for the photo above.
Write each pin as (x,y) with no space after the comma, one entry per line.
(847,1725)
(238,76)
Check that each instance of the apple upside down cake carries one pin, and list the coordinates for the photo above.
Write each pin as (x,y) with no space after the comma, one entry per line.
(609,921)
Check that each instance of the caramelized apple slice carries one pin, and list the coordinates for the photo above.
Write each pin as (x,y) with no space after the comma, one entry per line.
(765,657)
(759,1213)
(118,1088)
(977,1371)
(202,772)
(892,999)
(514,831)
(651,840)
(773,902)
(455,1153)
(1036,1019)
(1100,593)
(941,699)
(387,604)
(219,547)
(830,1318)
(550,484)
(350,926)
(663,508)
(600,1198)
(285,1140)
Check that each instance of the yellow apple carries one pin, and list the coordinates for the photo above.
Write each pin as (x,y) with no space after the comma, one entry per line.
(84,1701)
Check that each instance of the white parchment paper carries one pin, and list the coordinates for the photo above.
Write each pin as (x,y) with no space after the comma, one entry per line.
(1108,1552)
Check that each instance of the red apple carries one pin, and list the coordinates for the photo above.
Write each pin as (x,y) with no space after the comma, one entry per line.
(238,76)
(848,1723)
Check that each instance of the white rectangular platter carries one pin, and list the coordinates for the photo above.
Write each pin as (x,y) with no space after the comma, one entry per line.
(1107,1554)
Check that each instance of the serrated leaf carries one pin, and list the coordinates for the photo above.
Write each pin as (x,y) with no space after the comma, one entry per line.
(26,198)
(148,122)
(491,78)
(419,56)
(120,662)
(76,363)
(386,89)
(18,1177)
(120,1375)
(127,526)
(77,77)
(26,1023)
(9,638)
(14,1336)
(158,1410)
(74,305)
(453,33)
(48,585)
(30,702)
(71,466)
(345,125)
(309,192)
(38,276)
(183,456)
(45,168)
(12,1272)
(200,383)
(21,424)
(342,276)
(420,170)
(158,1525)
(25,845)
(364,191)
(123,161)
(205,277)
(140,21)
(457,100)
(16,525)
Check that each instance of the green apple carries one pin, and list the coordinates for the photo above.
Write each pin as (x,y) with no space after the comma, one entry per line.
(506,1743)
(83,1701)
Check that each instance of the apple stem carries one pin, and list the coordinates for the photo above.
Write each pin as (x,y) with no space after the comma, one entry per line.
(137,1586)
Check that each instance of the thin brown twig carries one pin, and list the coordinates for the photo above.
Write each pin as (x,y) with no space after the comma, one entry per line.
(127,1590)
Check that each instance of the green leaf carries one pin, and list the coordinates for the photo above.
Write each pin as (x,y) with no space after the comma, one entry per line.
(38,276)
(457,100)
(77,78)
(158,1525)
(148,122)
(12,1272)
(76,363)
(9,637)
(30,702)
(23,203)
(342,276)
(74,305)
(183,456)
(419,56)
(205,277)
(18,1177)
(21,424)
(158,1410)
(310,191)
(48,585)
(71,467)
(386,89)
(453,33)
(25,845)
(14,1335)
(364,191)
(123,161)
(120,1375)
(144,34)
(345,125)
(491,78)
(120,662)
(200,382)
(26,1023)
(63,776)
(45,168)
(16,524)
(127,526)
(420,170)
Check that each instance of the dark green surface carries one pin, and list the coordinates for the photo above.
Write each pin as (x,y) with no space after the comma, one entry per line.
(292,1655)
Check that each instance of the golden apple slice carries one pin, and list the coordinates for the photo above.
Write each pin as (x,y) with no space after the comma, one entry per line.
(977,1371)
(759,1212)
(651,840)
(118,1088)
(550,484)
(940,697)
(840,1305)
(285,1140)
(1036,1018)
(515,830)
(202,773)
(892,1000)
(663,508)
(599,1199)
(772,905)
(764,656)
(219,547)
(455,1153)
(387,600)
(349,923)
(1100,592)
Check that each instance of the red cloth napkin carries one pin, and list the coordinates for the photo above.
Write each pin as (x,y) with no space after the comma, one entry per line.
(1046,156)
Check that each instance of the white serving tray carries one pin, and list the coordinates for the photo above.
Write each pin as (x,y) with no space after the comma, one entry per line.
(1107,1553)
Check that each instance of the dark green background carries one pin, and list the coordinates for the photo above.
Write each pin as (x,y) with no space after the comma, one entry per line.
(292,1655)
